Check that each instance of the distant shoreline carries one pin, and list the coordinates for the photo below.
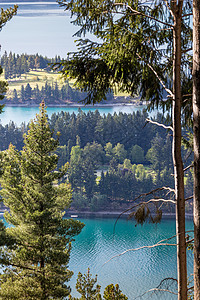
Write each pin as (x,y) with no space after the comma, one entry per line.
(108,214)
(115,214)
(78,105)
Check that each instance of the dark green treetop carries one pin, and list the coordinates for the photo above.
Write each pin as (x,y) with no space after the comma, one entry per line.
(36,262)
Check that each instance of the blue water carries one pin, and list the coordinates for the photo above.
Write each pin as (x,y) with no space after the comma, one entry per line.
(135,271)
(25,114)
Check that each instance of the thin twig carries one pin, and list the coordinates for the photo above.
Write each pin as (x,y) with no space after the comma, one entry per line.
(188,167)
(139,248)
(191,197)
(154,290)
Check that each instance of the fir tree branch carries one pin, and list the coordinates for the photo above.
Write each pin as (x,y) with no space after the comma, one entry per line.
(142,14)
(158,77)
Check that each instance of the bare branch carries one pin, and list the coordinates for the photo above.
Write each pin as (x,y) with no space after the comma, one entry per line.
(156,74)
(155,290)
(155,200)
(159,124)
(188,167)
(187,15)
(191,197)
(158,244)
(140,248)
(141,14)
(187,50)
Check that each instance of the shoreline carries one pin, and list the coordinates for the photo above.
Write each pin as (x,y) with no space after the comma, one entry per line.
(115,214)
(78,105)
(108,214)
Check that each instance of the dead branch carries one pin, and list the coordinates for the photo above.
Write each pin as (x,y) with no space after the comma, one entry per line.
(188,167)
(191,197)
(158,244)
(140,248)
(159,287)
(154,200)
(187,50)
(156,74)
(187,15)
(155,290)
(159,124)
(140,196)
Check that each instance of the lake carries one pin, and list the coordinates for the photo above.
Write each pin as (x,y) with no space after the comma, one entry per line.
(45,29)
(25,114)
(135,272)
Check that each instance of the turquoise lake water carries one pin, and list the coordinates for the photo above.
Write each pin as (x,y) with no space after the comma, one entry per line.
(45,29)
(24,114)
(135,272)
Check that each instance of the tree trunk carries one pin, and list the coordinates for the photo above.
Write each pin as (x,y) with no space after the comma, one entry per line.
(176,153)
(196,132)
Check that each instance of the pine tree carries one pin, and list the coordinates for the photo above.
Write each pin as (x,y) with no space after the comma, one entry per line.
(36,263)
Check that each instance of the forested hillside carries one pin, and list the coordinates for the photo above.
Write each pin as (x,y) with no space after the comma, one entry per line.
(107,171)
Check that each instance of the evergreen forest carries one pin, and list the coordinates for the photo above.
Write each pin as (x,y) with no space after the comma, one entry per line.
(112,158)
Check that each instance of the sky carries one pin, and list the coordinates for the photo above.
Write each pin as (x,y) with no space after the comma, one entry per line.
(41,27)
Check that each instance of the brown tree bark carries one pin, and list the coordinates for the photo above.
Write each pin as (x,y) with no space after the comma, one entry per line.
(176,153)
(196,132)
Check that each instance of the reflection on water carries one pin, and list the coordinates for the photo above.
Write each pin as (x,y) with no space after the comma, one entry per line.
(136,271)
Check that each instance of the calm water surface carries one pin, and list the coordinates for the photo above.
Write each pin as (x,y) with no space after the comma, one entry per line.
(25,114)
(45,29)
(135,272)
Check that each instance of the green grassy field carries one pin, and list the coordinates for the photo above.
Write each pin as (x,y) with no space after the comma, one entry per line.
(40,77)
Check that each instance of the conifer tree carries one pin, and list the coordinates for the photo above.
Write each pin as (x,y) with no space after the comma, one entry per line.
(36,262)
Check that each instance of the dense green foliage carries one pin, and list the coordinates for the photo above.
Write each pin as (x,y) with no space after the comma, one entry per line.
(51,93)
(131,157)
(36,261)
(132,49)
(90,290)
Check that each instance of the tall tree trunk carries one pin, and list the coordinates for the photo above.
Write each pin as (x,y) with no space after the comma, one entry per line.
(176,153)
(196,132)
